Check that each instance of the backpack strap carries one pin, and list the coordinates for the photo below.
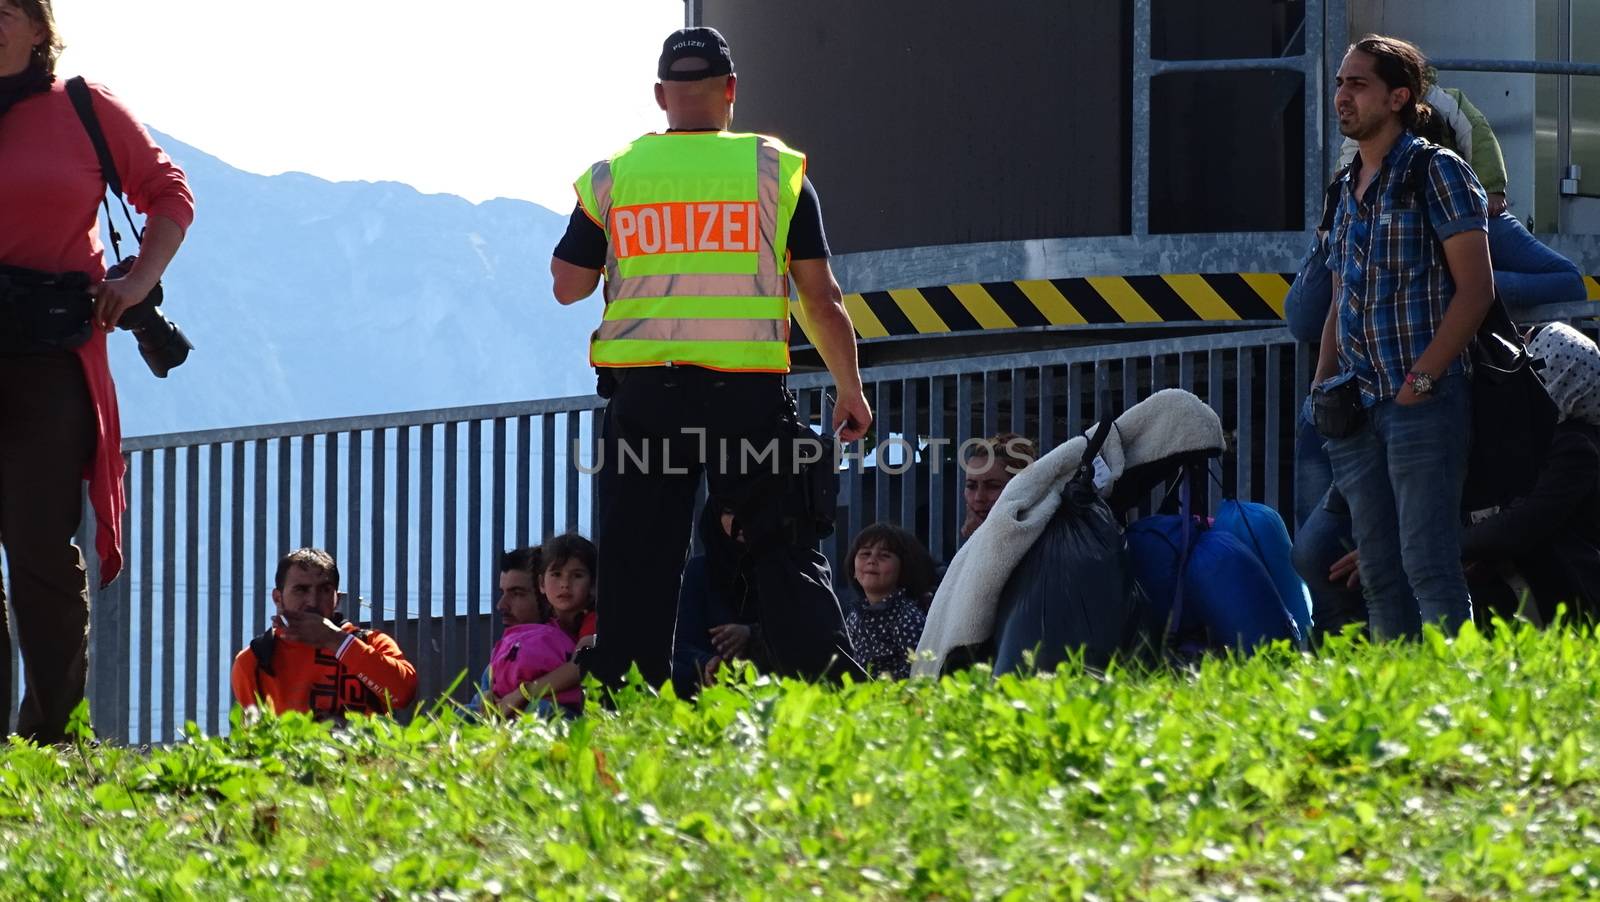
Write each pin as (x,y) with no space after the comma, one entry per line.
(83,103)
(263,647)
(1498,321)
(1415,184)
(1330,198)
(1186,515)
(1261,555)
(1092,449)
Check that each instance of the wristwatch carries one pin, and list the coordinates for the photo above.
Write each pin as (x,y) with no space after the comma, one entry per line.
(1421,383)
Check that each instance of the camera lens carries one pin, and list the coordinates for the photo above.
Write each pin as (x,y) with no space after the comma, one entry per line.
(162,344)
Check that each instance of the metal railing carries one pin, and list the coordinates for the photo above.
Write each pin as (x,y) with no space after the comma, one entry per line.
(416,507)
(1567,180)
(1527,67)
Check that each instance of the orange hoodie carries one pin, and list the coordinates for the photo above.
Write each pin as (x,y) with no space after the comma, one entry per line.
(368,674)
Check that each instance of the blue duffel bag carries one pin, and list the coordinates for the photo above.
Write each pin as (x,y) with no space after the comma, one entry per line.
(1230,591)
(1207,588)
(1261,529)
(1156,546)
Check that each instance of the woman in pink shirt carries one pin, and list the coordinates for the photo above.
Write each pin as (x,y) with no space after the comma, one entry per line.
(58,405)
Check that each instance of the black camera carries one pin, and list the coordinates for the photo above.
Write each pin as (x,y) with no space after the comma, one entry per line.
(161,343)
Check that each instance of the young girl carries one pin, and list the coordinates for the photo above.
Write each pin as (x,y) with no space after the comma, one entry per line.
(893,573)
(531,645)
(566,585)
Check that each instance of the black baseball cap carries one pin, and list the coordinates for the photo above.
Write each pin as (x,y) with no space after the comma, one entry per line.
(702,53)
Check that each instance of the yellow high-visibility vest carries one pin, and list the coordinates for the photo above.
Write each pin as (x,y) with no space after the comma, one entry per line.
(697,267)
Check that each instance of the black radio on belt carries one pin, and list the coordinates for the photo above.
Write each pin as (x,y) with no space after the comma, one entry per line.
(43,311)
(814,492)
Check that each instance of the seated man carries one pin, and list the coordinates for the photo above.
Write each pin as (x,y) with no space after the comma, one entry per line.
(311,659)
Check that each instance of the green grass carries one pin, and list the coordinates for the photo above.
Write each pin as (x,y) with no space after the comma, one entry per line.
(1442,770)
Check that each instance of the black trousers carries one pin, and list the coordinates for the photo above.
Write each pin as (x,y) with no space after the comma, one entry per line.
(47,436)
(664,428)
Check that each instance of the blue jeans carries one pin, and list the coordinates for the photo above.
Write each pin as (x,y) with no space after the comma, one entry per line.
(1312,471)
(1321,536)
(1527,272)
(1402,475)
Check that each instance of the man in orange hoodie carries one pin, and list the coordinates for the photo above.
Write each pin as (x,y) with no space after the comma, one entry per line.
(311,659)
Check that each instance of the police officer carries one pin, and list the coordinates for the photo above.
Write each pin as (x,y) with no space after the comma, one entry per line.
(698,232)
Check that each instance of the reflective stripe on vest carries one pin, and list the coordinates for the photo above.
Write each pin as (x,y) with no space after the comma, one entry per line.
(697,228)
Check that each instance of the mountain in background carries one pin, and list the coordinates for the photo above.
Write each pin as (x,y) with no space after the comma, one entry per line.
(308,299)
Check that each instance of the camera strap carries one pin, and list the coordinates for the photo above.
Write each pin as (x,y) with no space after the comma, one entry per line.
(78,91)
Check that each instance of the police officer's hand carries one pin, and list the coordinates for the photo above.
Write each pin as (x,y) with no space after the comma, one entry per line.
(852,417)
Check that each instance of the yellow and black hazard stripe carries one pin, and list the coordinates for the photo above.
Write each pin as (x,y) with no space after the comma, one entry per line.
(1094,300)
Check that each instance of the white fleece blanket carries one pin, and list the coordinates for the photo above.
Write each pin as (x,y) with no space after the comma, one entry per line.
(1168,422)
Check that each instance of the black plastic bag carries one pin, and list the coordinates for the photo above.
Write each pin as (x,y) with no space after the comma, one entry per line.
(1074,589)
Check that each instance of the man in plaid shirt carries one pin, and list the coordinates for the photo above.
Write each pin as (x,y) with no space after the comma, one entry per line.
(1411,285)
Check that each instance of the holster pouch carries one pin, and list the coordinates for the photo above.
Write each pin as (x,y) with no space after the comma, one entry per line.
(813,479)
(804,471)
(820,483)
(1337,412)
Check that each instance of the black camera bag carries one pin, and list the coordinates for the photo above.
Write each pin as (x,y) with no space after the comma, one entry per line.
(42,311)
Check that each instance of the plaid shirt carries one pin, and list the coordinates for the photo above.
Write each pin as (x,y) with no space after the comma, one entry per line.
(1393,278)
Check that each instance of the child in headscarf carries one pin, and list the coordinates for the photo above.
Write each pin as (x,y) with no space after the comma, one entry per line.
(1571,370)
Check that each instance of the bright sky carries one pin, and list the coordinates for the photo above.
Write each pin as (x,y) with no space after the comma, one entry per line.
(481,98)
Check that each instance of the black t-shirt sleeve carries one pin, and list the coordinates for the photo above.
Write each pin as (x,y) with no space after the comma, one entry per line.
(807,240)
(584,243)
